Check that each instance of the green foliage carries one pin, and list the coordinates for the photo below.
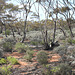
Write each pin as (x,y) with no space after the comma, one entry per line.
(51,70)
(37,42)
(7,47)
(34,43)
(62,69)
(42,57)
(5,70)
(71,41)
(12,60)
(3,61)
(55,69)
(65,69)
(7,32)
(20,47)
(29,55)
(30,52)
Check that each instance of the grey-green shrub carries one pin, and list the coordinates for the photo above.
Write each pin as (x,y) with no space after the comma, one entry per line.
(29,55)
(42,57)
(20,47)
(9,39)
(7,44)
(7,32)
(7,47)
(65,69)
(61,50)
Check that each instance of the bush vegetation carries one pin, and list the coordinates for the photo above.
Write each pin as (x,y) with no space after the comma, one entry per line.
(62,69)
(5,70)
(7,32)
(20,47)
(29,55)
(71,41)
(7,47)
(42,57)
(12,60)
(3,61)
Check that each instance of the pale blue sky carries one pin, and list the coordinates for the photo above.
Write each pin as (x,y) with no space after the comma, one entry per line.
(41,9)
(42,13)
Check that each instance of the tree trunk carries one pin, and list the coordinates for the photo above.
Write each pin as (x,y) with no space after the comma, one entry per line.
(12,31)
(5,30)
(62,31)
(46,36)
(1,29)
(54,32)
(70,29)
(24,30)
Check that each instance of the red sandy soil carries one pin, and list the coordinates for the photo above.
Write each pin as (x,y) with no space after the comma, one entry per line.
(14,54)
(1,37)
(54,58)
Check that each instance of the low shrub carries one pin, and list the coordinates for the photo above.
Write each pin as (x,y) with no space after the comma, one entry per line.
(5,70)
(65,69)
(12,60)
(10,39)
(3,61)
(62,69)
(20,47)
(61,50)
(71,41)
(34,43)
(7,32)
(7,44)
(7,47)
(42,57)
(29,55)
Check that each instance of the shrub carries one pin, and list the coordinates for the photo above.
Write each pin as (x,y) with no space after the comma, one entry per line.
(42,57)
(7,47)
(30,52)
(34,43)
(20,47)
(50,70)
(65,69)
(61,50)
(71,41)
(7,32)
(12,60)
(7,44)
(62,69)
(29,55)
(5,70)
(10,39)
(3,61)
